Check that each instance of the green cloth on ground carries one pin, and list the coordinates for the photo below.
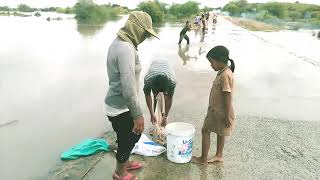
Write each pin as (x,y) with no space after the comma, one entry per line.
(86,148)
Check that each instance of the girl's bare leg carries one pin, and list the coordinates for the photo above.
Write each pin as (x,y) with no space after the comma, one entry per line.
(203,159)
(220,145)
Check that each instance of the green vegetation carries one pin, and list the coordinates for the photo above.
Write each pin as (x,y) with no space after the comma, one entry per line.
(176,12)
(25,8)
(50,9)
(208,9)
(5,13)
(14,14)
(37,14)
(154,9)
(305,15)
(21,15)
(253,25)
(4,8)
(88,11)
(67,10)
(184,10)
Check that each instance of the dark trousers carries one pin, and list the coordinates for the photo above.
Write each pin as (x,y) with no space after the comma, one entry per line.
(185,37)
(126,139)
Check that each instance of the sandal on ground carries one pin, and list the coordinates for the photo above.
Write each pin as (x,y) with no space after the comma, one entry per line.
(129,176)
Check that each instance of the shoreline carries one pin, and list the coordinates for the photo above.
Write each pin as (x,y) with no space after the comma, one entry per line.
(253,25)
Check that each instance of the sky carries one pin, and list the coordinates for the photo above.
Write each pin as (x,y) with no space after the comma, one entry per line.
(130,3)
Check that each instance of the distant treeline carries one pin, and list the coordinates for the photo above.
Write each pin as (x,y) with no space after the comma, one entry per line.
(87,5)
(85,10)
(276,12)
(88,10)
(160,11)
(26,8)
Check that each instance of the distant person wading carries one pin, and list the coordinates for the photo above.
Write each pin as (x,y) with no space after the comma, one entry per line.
(203,20)
(197,20)
(214,19)
(183,33)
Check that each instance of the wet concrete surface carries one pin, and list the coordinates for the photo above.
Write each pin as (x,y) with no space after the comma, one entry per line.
(261,148)
(276,102)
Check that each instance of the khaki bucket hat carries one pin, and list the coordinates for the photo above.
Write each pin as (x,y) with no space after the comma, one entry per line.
(143,20)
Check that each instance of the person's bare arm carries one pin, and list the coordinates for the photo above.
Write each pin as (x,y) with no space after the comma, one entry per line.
(149,104)
(168,104)
(190,27)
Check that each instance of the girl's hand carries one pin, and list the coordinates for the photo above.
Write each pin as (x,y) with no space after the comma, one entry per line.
(228,123)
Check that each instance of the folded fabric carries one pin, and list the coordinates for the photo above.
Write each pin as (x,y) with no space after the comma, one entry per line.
(86,148)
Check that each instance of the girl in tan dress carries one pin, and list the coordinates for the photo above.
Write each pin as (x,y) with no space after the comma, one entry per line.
(220,115)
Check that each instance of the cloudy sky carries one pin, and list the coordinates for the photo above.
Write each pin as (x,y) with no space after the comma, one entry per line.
(129,3)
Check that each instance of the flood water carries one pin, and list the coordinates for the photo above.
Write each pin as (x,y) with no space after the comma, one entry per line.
(53,80)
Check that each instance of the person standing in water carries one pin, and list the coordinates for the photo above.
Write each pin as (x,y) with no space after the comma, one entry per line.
(220,114)
(207,17)
(122,104)
(214,19)
(160,78)
(183,33)
(197,20)
(197,23)
(203,21)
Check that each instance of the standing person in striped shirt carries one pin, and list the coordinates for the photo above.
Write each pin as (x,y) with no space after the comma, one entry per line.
(159,78)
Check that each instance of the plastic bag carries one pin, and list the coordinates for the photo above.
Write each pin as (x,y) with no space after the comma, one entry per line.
(146,147)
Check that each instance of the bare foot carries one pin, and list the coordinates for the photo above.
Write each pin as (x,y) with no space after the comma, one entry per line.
(216,159)
(198,160)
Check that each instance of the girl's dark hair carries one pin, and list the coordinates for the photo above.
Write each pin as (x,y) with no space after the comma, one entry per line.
(221,53)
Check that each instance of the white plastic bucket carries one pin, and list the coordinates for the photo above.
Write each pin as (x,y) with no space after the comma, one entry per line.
(179,141)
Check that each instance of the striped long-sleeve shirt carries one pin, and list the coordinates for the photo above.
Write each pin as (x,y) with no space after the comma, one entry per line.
(160,68)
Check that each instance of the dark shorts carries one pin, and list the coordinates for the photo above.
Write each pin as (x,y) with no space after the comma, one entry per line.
(126,139)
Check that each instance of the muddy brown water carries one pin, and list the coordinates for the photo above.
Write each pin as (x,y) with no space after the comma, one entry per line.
(53,81)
